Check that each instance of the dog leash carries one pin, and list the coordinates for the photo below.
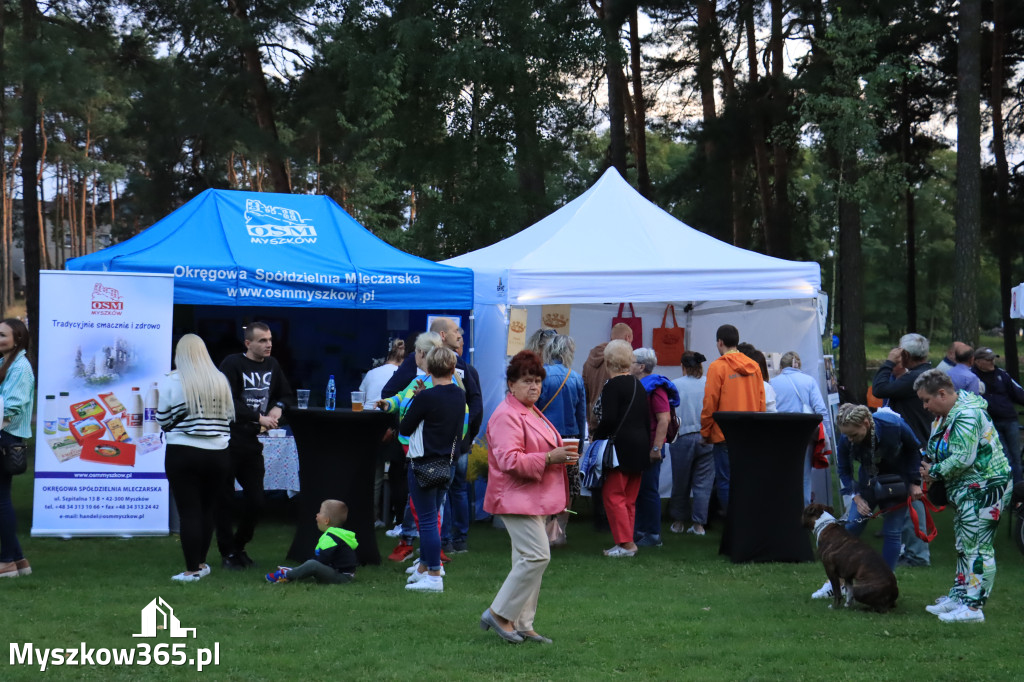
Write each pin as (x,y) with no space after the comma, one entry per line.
(929,507)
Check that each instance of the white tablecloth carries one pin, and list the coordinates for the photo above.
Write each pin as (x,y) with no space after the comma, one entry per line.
(281,460)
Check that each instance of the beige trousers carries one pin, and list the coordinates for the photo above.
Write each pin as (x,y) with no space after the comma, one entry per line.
(517,599)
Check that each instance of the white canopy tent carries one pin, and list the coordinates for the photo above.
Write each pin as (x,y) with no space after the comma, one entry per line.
(611,245)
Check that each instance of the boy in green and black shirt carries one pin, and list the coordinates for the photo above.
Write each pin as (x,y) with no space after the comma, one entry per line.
(335,560)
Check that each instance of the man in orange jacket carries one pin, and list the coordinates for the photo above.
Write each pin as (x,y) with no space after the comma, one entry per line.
(733,384)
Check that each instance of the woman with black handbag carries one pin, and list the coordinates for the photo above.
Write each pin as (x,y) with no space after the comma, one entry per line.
(17,388)
(889,456)
(435,423)
(625,417)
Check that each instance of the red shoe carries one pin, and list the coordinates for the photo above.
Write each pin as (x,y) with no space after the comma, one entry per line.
(444,557)
(401,552)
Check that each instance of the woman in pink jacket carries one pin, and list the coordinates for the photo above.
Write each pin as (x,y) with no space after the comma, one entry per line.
(526,483)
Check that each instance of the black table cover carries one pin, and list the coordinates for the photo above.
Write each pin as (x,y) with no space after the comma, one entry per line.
(766,499)
(337,452)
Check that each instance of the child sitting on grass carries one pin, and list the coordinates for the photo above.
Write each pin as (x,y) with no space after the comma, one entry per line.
(335,560)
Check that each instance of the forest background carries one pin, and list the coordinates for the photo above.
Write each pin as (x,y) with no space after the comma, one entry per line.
(881,139)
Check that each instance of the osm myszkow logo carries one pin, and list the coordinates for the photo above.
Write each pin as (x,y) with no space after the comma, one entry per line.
(106,300)
(268,224)
(157,616)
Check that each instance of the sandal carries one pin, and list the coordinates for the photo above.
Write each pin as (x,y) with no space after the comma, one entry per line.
(617,551)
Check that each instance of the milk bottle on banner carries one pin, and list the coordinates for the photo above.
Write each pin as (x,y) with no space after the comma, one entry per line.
(149,422)
(134,415)
(64,412)
(50,415)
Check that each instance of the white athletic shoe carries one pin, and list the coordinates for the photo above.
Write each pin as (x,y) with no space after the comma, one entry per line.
(431,583)
(943,605)
(416,566)
(826,591)
(186,578)
(394,532)
(963,615)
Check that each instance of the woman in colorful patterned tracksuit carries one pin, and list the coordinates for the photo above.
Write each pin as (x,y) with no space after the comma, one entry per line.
(965,453)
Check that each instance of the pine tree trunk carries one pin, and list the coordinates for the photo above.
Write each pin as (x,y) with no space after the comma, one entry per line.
(778,240)
(643,175)
(29,163)
(259,93)
(612,14)
(1003,238)
(762,165)
(966,259)
(852,365)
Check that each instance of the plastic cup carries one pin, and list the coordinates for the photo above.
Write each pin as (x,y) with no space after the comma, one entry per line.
(572,444)
(302,397)
(357,400)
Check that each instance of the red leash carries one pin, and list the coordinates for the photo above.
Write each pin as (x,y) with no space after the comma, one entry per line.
(928,508)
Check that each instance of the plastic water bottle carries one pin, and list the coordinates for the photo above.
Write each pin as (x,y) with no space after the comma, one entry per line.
(331,394)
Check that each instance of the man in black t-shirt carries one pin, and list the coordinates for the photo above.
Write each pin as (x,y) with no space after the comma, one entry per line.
(260,390)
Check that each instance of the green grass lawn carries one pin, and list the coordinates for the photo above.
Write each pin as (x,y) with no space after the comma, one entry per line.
(680,612)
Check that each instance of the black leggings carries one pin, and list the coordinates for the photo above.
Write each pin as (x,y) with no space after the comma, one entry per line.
(196,477)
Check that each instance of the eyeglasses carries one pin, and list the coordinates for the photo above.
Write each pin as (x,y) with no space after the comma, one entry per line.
(549,332)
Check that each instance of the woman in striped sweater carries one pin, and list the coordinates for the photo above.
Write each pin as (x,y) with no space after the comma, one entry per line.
(195,409)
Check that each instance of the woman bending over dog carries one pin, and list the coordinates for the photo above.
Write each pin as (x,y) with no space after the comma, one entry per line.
(883,444)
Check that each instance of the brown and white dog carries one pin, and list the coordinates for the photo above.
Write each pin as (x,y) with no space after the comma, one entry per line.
(868,579)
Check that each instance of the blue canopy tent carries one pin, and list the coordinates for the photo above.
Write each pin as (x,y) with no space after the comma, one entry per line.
(229,248)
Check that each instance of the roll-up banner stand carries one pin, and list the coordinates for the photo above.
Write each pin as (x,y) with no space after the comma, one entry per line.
(104,343)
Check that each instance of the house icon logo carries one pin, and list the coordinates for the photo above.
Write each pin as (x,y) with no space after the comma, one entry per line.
(158,615)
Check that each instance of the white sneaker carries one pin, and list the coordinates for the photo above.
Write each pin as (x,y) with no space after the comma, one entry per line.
(943,605)
(186,578)
(692,530)
(431,583)
(395,532)
(204,571)
(963,615)
(416,567)
(826,591)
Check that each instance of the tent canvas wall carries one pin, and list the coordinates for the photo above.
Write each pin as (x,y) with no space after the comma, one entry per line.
(611,245)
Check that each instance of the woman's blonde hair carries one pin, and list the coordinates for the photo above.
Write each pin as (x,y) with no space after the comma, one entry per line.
(849,414)
(441,361)
(618,356)
(207,392)
(426,341)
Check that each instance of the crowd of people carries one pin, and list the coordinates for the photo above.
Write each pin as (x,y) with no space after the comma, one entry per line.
(955,426)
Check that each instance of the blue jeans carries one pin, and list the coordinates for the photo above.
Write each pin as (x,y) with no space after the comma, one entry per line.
(1009,434)
(428,504)
(721,455)
(892,531)
(693,474)
(455,520)
(915,550)
(648,503)
(10,548)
